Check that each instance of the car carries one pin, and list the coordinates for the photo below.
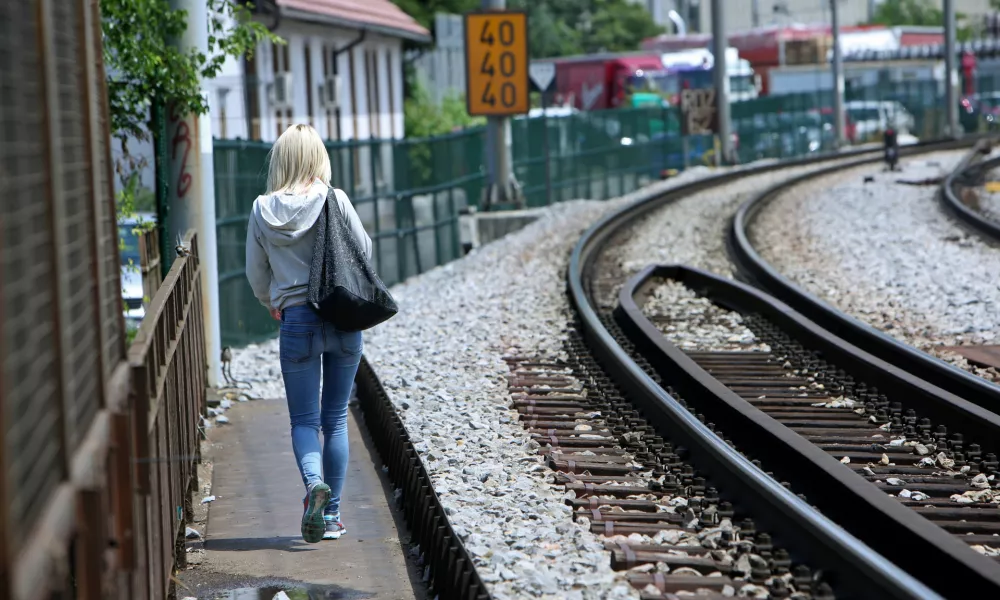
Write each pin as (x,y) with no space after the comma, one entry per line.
(132,292)
(984,106)
(871,117)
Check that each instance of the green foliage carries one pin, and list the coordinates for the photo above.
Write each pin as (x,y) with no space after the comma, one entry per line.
(143,64)
(567,27)
(423,118)
(919,12)
(423,10)
(908,12)
(131,330)
(560,27)
(132,197)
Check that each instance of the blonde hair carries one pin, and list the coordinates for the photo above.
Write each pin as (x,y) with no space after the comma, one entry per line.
(298,157)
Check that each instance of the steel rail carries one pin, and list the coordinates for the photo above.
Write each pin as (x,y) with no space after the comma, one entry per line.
(802,528)
(902,536)
(752,268)
(950,197)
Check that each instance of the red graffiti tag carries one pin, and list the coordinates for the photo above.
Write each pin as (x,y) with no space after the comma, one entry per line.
(182,135)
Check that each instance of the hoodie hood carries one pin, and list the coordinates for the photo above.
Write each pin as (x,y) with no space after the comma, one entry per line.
(284,218)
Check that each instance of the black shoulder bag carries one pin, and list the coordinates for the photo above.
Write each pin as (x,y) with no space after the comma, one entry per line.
(343,287)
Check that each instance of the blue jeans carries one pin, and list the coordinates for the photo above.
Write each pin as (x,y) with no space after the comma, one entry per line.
(308,347)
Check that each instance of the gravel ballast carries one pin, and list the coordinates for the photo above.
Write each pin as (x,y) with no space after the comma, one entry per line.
(440,360)
(989,202)
(889,255)
(693,322)
(690,231)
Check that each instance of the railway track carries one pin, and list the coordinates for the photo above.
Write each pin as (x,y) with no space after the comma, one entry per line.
(960,200)
(803,401)
(615,483)
(663,521)
(680,509)
(752,268)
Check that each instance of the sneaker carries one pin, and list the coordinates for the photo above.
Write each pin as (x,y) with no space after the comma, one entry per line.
(312,516)
(334,527)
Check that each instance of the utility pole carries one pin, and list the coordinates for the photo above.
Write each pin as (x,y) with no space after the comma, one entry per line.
(502,187)
(838,78)
(951,74)
(191,185)
(755,13)
(721,77)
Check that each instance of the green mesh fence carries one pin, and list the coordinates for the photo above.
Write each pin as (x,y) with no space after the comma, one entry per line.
(409,192)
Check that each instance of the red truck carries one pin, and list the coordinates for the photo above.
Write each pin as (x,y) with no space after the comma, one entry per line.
(600,81)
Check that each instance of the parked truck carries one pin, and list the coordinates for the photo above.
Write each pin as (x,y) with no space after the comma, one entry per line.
(602,81)
(629,80)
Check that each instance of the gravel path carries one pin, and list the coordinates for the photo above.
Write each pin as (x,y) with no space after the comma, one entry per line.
(441,361)
(887,254)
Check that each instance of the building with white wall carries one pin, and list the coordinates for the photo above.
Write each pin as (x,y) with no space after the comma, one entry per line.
(340,70)
(441,69)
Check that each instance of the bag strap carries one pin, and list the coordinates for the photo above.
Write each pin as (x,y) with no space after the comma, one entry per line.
(333,196)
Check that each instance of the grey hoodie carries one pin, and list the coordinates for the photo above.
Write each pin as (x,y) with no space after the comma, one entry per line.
(280,239)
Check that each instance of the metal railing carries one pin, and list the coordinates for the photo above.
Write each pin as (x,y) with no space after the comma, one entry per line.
(167,360)
(409,192)
(149,264)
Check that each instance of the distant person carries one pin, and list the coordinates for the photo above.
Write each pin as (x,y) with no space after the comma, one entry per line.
(280,239)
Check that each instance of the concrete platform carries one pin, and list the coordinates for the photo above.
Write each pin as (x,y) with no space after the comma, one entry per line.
(253,545)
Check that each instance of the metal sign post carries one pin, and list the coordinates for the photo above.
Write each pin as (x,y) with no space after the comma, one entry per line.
(839,125)
(720,75)
(542,75)
(951,75)
(496,62)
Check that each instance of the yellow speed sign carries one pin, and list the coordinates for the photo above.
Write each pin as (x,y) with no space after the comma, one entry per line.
(496,63)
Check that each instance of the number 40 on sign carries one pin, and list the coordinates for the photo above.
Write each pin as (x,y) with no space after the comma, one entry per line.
(496,62)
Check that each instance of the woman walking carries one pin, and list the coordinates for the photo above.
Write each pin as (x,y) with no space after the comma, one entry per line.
(280,238)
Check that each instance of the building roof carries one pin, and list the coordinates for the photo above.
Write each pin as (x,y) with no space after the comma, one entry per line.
(378,16)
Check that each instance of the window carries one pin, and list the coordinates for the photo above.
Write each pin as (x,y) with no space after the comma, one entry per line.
(221,95)
(330,67)
(252,99)
(372,80)
(309,83)
(392,94)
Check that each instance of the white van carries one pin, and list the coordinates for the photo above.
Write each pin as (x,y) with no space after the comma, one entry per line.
(132,292)
(870,117)
(743,84)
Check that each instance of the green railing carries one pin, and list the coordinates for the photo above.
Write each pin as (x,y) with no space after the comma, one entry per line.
(409,192)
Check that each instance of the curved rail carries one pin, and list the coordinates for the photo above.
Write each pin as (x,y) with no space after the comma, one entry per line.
(753,268)
(802,527)
(904,537)
(951,197)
